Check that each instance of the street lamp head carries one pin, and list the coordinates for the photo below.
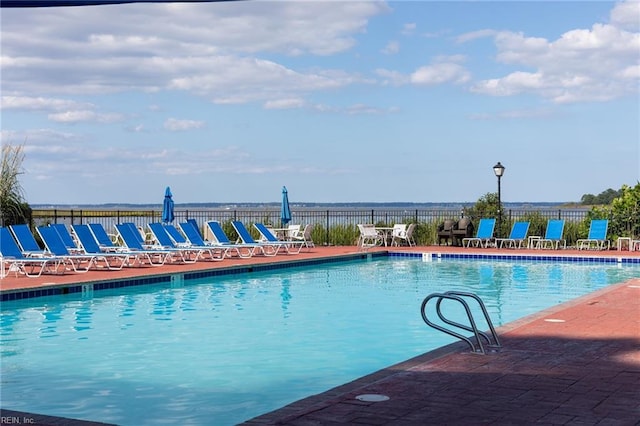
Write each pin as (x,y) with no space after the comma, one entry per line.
(498,169)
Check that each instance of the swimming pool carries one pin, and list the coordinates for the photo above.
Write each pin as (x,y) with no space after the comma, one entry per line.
(226,349)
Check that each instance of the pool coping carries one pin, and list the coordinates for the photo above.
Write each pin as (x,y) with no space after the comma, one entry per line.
(91,285)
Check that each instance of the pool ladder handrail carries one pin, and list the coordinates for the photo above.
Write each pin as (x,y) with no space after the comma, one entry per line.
(459,296)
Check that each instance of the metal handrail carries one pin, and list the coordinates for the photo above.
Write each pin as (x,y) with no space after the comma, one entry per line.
(459,297)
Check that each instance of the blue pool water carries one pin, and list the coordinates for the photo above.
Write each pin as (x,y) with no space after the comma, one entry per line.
(226,349)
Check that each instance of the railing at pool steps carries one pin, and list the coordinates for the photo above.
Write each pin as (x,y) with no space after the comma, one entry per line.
(492,342)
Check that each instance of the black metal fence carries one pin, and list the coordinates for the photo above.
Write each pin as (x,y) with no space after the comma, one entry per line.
(326,221)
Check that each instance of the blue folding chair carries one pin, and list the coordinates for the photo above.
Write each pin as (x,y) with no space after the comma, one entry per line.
(516,238)
(597,238)
(484,235)
(553,236)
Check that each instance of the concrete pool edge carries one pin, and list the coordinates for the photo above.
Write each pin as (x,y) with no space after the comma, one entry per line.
(12,289)
(150,275)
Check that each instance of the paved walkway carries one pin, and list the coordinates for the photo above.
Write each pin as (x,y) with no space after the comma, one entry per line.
(577,363)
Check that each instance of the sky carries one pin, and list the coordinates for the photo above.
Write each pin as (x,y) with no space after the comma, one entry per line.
(339,101)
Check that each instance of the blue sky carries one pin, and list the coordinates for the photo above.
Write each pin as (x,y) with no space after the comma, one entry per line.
(341,101)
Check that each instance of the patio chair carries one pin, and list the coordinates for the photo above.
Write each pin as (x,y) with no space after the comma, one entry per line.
(145,238)
(597,238)
(205,251)
(484,236)
(290,246)
(192,234)
(80,263)
(516,238)
(241,250)
(396,230)
(445,232)
(369,237)
(16,261)
(194,223)
(187,254)
(154,256)
(305,236)
(89,244)
(267,248)
(27,242)
(462,229)
(553,235)
(404,236)
(105,241)
(293,232)
(66,237)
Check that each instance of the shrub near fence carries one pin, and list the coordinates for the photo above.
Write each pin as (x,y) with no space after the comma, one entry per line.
(331,226)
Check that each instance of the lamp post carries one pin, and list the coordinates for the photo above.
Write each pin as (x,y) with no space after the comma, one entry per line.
(498,169)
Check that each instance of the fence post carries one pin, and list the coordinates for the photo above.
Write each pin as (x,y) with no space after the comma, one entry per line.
(327,237)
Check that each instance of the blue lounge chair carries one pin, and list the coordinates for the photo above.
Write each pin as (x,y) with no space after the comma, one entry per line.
(516,238)
(66,237)
(217,252)
(290,246)
(483,236)
(175,235)
(105,241)
(90,245)
(189,252)
(195,225)
(55,245)
(17,262)
(155,256)
(27,242)
(597,238)
(221,238)
(553,235)
(267,249)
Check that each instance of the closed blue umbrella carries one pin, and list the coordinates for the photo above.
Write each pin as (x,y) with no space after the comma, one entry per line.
(285,211)
(167,207)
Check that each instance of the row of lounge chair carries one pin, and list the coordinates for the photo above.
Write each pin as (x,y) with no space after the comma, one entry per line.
(89,246)
(553,238)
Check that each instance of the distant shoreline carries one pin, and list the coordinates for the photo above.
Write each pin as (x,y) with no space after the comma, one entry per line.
(310,205)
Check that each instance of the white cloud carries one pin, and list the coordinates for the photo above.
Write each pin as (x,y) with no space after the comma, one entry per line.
(285,103)
(393,78)
(474,35)
(77,116)
(175,125)
(626,15)
(206,49)
(391,48)
(439,73)
(596,64)
(515,114)
(409,28)
(39,103)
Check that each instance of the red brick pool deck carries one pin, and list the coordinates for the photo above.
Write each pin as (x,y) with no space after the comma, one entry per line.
(576,364)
